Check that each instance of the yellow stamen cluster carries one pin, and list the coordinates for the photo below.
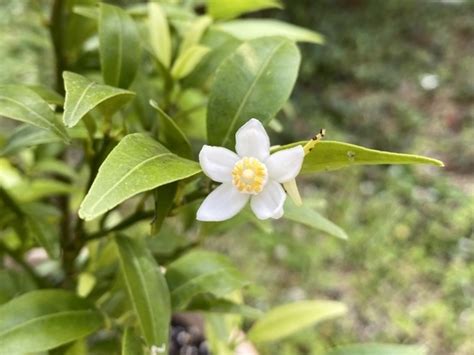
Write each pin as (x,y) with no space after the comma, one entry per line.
(249,175)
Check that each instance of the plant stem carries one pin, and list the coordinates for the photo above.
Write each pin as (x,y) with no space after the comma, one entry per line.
(68,242)
(56,28)
(127,222)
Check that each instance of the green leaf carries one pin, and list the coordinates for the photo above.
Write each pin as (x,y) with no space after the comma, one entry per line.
(137,164)
(26,136)
(164,198)
(131,343)
(188,60)
(222,45)
(224,9)
(147,290)
(84,95)
(45,319)
(309,217)
(201,272)
(172,136)
(330,155)
(23,104)
(378,349)
(255,28)
(159,32)
(28,191)
(291,318)
(42,219)
(120,50)
(195,32)
(253,82)
(47,94)
(207,302)
(90,12)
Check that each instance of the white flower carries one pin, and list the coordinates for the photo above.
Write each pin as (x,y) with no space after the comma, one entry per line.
(251,174)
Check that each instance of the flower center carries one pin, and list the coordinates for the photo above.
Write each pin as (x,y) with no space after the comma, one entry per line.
(249,175)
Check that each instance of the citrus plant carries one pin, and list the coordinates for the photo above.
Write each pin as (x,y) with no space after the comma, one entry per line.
(111,181)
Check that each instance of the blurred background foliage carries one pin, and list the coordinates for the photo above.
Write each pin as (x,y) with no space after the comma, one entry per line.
(393,75)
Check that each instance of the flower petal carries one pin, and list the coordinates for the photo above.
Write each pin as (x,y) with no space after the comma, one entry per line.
(284,165)
(252,140)
(269,202)
(221,204)
(217,162)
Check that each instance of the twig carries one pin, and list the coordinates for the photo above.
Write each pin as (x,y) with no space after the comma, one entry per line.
(127,222)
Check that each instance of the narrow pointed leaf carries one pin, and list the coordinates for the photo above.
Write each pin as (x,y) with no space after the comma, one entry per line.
(84,95)
(309,217)
(290,318)
(188,60)
(147,290)
(195,32)
(173,137)
(23,104)
(330,155)
(45,319)
(201,272)
(119,46)
(255,28)
(138,163)
(221,9)
(378,349)
(159,33)
(262,74)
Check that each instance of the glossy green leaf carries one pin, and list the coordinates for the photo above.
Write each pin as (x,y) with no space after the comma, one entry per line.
(309,217)
(45,319)
(201,272)
(224,9)
(147,290)
(330,155)
(131,343)
(159,33)
(255,28)
(172,136)
(378,349)
(23,104)
(120,50)
(253,82)
(188,60)
(84,95)
(195,32)
(138,163)
(290,318)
